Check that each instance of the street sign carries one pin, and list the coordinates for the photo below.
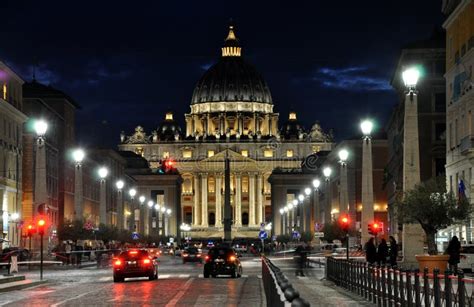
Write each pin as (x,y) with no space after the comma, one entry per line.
(171,240)
(135,236)
(296,235)
(319,234)
(318,226)
(262,235)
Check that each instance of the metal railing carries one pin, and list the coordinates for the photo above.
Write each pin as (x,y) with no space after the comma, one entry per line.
(387,286)
(278,290)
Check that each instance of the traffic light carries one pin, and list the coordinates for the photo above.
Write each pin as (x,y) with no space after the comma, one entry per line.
(374,228)
(345,222)
(41,225)
(167,166)
(30,230)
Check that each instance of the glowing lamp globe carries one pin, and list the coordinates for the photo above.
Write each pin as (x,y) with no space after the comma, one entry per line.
(307,191)
(301,197)
(150,203)
(295,202)
(282,211)
(15,216)
(103,172)
(366,126)
(411,76)
(168,211)
(343,155)
(327,172)
(78,155)
(142,199)
(290,206)
(285,209)
(157,207)
(163,209)
(132,192)
(40,127)
(316,183)
(119,184)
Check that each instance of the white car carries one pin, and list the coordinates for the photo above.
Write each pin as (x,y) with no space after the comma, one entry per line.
(467,258)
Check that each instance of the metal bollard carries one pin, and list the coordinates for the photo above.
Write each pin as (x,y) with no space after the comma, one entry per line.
(417,288)
(436,288)
(299,302)
(291,294)
(461,290)
(448,299)
(426,287)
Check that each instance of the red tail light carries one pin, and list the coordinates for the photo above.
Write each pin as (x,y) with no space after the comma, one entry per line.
(118,262)
(206,258)
(185,255)
(146,261)
(232,258)
(198,255)
(133,252)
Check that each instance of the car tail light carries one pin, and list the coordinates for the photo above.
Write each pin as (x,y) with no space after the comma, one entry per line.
(146,261)
(118,262)
(206,258)
(232,258)
(133,252)
(185,255)
(198,255)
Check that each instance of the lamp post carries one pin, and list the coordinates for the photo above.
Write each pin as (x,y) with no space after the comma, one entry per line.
(141,224)
(78,156)
(120,220)
(156,219)
(41,194)
(149,219)
(286,209)
(103,172)
(327,171)
(282,216)
(344,194)
(367,214)
(316,208)
(132,192)
(412,233)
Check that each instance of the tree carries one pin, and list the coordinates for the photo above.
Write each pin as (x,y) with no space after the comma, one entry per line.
(306,236)
(333,231)
(283,239)
(430,205)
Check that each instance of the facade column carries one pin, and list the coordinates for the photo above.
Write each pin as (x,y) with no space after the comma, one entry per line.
(252,200)
(257,123)
(208,124)
(193,124)
(103,202)
(260,208)
(238,200)
(367,214)
(218,190)
(188,125)
(120,219)
(196,212)
(413,238)
(239,127)
(78,193)
(204,211)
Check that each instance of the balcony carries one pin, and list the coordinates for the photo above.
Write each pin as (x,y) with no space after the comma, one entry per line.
(467,144)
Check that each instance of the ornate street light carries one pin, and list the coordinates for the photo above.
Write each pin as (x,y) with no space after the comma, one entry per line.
(142,199)
(119,184)
(366,126)
(410,77)
(343,155)
(301,198)
(132,192)
(307,191)
(103,172)
(40,126)
(316,183)
(327,171)
(78,155)
(150,204)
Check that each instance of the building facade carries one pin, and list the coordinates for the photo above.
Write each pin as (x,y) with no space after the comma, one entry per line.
(459,77)
(11,152)
(429,56)
(231,115)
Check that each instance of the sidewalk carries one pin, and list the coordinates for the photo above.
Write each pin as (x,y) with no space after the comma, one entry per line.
(317,291)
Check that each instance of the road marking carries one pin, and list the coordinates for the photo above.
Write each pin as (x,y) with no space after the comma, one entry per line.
(183,275)
(201,276)
(180,293)
(211,300)
(76,297)
(108,278)
(302,277)
(5,303)
(163,276)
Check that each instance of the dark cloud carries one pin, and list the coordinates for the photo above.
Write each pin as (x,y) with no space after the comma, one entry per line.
(351,79)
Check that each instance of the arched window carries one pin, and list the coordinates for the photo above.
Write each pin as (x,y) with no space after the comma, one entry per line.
(245,218)
(212,219)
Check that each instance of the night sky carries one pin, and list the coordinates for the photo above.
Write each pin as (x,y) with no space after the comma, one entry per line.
(127,62)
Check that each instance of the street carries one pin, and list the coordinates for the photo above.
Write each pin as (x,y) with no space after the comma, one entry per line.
(178,284)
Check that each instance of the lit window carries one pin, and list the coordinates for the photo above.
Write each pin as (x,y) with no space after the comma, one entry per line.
(210,153)
(5,91)
(292,116)
(289,153)
(245,153)
(268,153)
(187,154)
(316,149)
(139,151)
(166,155)
(169,116)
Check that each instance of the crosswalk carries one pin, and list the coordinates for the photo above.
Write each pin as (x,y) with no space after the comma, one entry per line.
(164,276)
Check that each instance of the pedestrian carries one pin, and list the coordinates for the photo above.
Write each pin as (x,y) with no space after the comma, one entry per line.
(454,252)
(393,251)
(67,249)
(370,251)
(382,252)
(301,258)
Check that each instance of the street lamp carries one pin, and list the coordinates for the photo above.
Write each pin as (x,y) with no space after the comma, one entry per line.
(327,171)
(40,188)
(294,203)
(410,77)
(150,204)
(316,183)
(132,192)
(367,214)
(141,199)
(344,195)
(307,191)
(103,172)
(120,220)
(301,198)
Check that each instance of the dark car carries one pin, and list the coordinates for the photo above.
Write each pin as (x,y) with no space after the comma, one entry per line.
(222,261)
(135,263)
(191,254)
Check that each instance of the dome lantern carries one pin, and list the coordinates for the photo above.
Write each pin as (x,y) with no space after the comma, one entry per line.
(231,44)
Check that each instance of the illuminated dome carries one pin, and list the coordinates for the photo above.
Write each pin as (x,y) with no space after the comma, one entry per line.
(231,79)
(169,129)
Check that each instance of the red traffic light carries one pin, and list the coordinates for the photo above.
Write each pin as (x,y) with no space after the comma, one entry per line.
(344,221)
(30,230)
(375,228)
(41,223)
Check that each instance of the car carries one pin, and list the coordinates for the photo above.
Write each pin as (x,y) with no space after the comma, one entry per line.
(191,254)
(134,263)
(240,246)
(222,261)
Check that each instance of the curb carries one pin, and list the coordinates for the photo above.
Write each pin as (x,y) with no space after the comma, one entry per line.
(23,286)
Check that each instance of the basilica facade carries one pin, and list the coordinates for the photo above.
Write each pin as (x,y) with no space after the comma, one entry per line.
(231,115)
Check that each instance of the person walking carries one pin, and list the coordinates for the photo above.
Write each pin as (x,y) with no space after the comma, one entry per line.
(393,251)
(370,251)
(454,252)
(67,249)
(382,252)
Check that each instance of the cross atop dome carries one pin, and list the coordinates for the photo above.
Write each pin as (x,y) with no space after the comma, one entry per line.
(231,44)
